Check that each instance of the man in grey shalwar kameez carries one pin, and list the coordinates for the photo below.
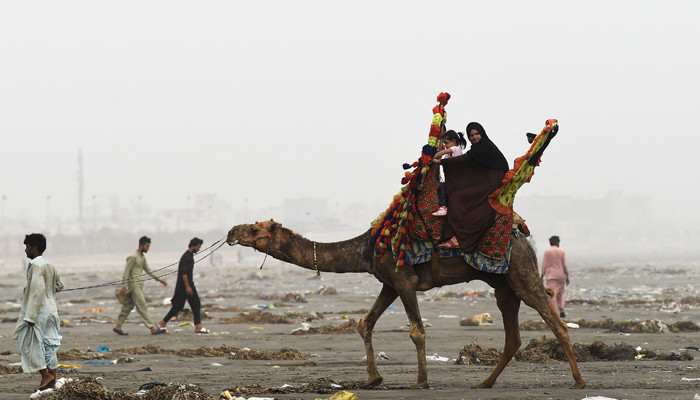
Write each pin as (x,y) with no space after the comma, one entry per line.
(37,330)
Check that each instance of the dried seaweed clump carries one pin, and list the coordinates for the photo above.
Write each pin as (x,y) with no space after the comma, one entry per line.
(648,326)
(90,388)
(320,385)
(257,317)
(534,326)
(286,353)
(348,327)
(10,370)
(691,300)
(604,324)
(474,354)
(684,326)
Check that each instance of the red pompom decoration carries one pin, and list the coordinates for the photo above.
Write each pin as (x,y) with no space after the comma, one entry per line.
(443,98)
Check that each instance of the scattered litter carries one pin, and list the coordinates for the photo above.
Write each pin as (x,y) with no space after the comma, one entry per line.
(304,327)
(342,395)
(103,349)
(690,379)
(436,357)
(572,325)
(151,385)
(449,316)
(97,309)
(215,364)
(186,324)
(378,356)
(350,326)
(68,366)
(101,362)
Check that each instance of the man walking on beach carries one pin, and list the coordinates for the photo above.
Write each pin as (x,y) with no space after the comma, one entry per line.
(185,289)
(37,330)
(131,292)
(557,273)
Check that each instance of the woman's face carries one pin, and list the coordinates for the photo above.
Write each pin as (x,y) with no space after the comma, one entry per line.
(474,136)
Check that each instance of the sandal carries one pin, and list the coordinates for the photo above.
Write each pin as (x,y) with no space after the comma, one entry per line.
(49,384)
(159,331)
(203,330)
(450,244)
(119,331)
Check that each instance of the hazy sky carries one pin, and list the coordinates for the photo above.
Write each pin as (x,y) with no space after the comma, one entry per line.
(265,100)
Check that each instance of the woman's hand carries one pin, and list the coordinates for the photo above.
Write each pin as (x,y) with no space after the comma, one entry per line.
(436,161)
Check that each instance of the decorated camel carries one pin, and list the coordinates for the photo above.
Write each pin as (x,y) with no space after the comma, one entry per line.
(522,283)
(401,251)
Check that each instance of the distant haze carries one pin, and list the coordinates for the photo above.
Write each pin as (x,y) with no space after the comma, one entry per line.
(212,114)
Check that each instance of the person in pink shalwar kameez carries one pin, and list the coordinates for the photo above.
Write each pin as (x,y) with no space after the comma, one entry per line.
(555,270)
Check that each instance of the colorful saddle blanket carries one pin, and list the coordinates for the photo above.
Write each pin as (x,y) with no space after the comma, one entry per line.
(422,251)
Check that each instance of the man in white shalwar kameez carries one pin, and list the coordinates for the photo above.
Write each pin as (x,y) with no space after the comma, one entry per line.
(37,330)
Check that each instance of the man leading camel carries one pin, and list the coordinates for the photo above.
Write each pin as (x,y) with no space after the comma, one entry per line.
(132,289)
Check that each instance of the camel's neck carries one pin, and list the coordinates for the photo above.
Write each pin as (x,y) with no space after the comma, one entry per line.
(353,255)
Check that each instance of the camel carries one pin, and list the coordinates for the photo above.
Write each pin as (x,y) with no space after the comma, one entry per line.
(522,283)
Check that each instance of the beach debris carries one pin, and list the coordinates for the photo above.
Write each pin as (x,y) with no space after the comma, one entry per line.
(623,327)
(437,357)
(234,353)
(378,356)
(96,309)
(150,385)
(10,370)
(426,324)
(327,290)
(306,316)
(91,388)
(342,395)
(217,308)
(547,351)
(103,349)
(257,317)
(304,327)
(350,326)
(483,319)
(474,354)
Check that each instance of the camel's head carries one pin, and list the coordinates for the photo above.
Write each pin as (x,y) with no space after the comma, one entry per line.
(253,235)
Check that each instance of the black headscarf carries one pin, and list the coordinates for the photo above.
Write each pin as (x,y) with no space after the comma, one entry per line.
(485,151)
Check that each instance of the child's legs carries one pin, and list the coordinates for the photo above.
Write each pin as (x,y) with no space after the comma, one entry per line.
(442,194)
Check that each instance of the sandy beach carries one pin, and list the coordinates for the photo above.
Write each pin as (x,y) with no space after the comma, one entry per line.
(252,313)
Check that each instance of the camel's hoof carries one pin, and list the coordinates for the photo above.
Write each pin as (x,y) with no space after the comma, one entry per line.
(375,381)
(482,385)
(420,385)
(579,385)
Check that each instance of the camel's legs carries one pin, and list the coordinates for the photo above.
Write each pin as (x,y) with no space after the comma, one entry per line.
(509,304)
(406,287)
(366,326)
(537,298)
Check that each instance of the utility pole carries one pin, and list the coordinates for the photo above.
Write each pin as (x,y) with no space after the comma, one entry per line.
(80,190)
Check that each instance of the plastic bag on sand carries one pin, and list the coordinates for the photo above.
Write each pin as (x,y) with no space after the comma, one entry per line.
(342,395)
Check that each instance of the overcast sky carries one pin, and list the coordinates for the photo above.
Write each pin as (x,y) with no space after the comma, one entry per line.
(266,100)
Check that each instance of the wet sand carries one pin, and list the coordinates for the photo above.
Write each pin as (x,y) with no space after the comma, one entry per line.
(598,291)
